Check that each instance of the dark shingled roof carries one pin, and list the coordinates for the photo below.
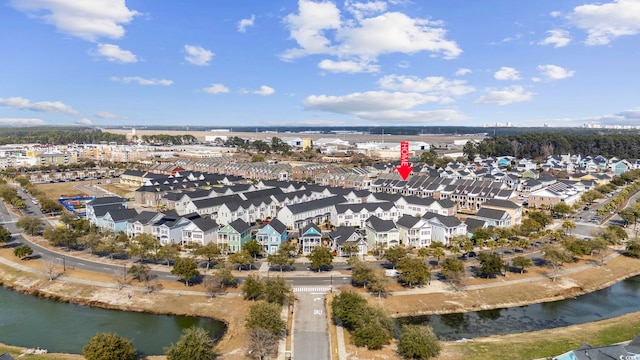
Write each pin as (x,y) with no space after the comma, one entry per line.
(123,214)
(342,234)
(239,225)
(276,224)
(448,221)
(490,213)
(205,224)
(407,221)
(107,200)
(315,204)
(380,225)
(502,203)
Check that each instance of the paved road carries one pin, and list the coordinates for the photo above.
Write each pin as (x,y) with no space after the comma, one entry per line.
(310,327)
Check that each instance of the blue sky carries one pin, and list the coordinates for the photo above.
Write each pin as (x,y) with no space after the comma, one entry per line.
(308,62)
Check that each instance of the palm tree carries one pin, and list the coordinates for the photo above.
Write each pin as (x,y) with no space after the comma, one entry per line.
(438,253)
(568,225)
(492,244)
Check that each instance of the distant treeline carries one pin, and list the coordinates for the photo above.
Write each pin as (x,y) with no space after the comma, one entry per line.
(57,136)
(537,145)
(398,130)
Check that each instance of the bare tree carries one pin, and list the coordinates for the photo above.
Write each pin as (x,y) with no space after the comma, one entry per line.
(119,277)
(262,343)
(50,266)
(213,284)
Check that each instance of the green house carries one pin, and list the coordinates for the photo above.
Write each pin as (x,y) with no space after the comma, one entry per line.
(234,235)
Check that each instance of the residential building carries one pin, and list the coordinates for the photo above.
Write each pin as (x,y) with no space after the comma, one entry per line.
(310,238)
(343,236)
(445,228)
(272,235)
(382,233)
(414,231)
(234,235)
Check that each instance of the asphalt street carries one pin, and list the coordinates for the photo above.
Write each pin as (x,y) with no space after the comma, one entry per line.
(310,327)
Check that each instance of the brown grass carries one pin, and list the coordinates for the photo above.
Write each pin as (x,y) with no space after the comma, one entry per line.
(56,190)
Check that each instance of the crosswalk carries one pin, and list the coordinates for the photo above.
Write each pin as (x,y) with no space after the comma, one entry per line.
(311,289)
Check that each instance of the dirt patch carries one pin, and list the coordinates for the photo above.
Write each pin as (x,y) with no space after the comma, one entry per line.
(63,189)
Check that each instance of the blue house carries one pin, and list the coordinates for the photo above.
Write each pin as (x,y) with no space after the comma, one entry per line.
(272,235)
(116,220)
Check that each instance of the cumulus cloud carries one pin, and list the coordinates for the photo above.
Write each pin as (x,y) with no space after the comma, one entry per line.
(245,23)
(348,66)
(141,81)
(41,106)
(361,9)
(557,38)
(216,89)
(197,55)
(21,121)
(88,20)
(107,115)
(84,121)
(264,91)
(508,95)
(114,53)
(555,72)
(436,86)
(463,72)
(605,22)
(507,73)
(321,28)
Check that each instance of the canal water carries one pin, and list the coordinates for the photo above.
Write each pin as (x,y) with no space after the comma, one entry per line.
(29,321)
(619,299)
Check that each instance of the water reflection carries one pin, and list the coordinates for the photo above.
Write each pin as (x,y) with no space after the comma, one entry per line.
(29,321)
(614,301)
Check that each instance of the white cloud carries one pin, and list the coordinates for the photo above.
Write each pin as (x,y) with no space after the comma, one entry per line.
(554,72)
(361,9)
(108,115)
(348,66)
(41,106)
(605,22)
(623,118)
(197,55)
(21,121)
(507,73)
(364,102)
(113,53)
(557,38)
(245,23)
(437,86)
(84,121)
(318,28)
(463,71)
(307,28)
(508,95)
(142,81)
(216,89)
(89,20)
(264,91)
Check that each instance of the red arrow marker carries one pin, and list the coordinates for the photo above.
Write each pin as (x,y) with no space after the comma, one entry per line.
(405,168)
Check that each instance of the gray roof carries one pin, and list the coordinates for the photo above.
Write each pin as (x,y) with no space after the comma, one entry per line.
(239,225)
(216,201)
(342,234)
(315,204)
(357,207)
(205,224)
(107,200)
(101,211)
(448,221)
(473,223)
(276,225)
(493,214)
(407,221)
(502,203)
(6,356)
(134,173)
(309,226)
(123,214)
(380,225)
(144,217)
